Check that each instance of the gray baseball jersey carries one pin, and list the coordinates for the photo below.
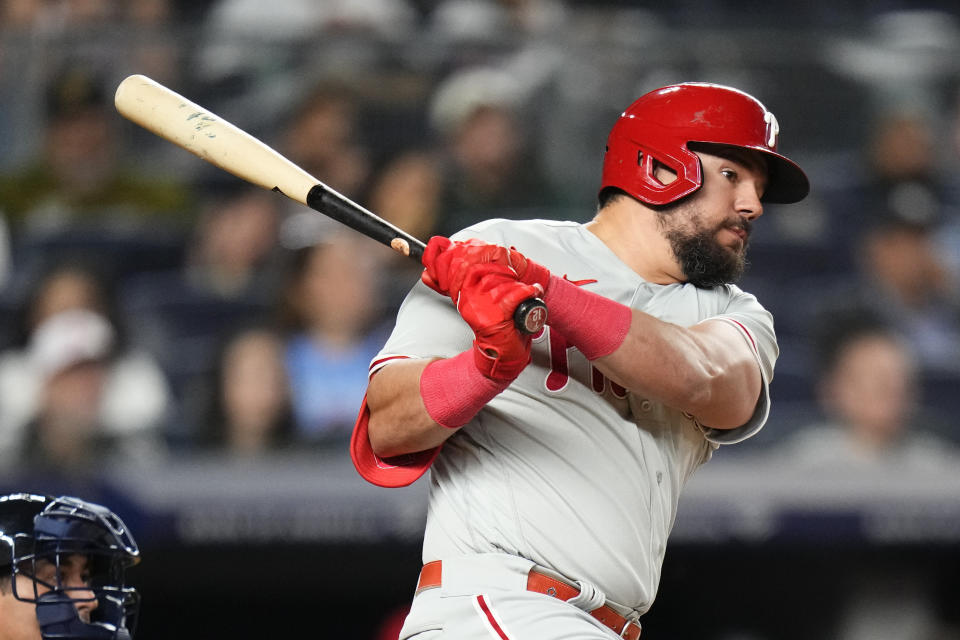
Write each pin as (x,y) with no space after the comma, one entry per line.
(565,468)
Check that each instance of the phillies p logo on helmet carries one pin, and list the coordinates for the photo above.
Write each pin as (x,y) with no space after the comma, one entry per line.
(773,129)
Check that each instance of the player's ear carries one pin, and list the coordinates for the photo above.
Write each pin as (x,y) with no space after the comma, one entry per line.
(664,174)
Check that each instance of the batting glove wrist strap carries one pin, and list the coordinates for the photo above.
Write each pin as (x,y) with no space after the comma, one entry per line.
(528,271)
(595,325)
(454,390)
(501,357)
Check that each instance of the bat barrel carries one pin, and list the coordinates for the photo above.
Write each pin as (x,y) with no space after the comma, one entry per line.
(206,135)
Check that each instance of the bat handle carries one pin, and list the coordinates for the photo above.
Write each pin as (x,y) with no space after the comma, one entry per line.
(530,316)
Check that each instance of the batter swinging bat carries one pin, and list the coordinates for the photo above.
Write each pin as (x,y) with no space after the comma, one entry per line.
(172,117)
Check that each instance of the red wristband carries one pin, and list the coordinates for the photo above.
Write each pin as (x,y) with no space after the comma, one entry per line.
(595,325)
(454,390)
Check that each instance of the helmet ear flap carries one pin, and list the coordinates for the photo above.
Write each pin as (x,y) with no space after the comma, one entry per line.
(685,165)
(632,166)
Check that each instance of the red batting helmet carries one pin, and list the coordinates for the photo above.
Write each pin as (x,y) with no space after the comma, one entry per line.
(659,126)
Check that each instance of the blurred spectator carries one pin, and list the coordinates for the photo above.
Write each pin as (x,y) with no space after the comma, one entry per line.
(6,259)
(904,157)
(490,168)
(949,237)
(119,38)
(154,43)
(71,359)
(875,423)
(903,277)
(869,393)
(232,26)
(80,177)
(475,32)
(486,20)
(898,174)
(55,15)
(234,249)
(406,192)
(322,135)
(890,218)
(250,408)
(330,312)
(227,278)
(134,400)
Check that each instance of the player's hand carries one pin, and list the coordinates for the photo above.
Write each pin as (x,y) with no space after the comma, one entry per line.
(447,262)
(488,296)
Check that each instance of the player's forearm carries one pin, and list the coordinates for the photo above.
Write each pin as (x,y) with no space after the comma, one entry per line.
(399,422)
(688,369)
(704,370)
(419,404)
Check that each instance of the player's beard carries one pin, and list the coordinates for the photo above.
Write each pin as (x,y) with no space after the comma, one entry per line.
(704,260)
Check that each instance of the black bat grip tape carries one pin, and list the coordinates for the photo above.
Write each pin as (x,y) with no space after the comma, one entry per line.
(529,316)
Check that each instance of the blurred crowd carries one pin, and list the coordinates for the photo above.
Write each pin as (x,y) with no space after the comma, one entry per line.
(152,303)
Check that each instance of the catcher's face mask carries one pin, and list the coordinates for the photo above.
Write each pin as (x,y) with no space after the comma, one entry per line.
(74,561)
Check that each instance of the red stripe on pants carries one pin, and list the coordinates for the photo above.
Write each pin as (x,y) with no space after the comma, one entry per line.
(493,623)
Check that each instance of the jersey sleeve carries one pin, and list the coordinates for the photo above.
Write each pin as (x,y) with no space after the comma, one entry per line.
(755,325)
(428,326)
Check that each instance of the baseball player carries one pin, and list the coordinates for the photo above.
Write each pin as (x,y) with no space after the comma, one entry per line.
(62,562)
(558,459)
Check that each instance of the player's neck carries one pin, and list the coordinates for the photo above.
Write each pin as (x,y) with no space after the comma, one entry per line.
(630,230)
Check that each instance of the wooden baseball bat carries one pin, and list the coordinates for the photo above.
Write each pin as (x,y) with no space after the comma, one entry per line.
(169,115)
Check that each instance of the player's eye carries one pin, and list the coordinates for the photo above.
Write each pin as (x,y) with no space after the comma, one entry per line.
(48,575)
(729,174)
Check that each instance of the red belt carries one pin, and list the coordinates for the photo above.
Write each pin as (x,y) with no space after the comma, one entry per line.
(542,583)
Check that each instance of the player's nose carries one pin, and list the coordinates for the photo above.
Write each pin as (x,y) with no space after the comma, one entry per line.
(748,202)
(85,600)
(83,596)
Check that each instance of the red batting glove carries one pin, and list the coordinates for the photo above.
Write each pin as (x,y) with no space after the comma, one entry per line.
(430,276)
(447,263)
(528,271)
(487,299)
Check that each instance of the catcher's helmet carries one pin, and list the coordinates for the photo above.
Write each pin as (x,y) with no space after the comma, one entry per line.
(37,536)
(659,126)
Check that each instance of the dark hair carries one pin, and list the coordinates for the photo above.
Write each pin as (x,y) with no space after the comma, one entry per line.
(74,90)
(837,328)
(288,317)
(102,280)
(609,195)
(210,409)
